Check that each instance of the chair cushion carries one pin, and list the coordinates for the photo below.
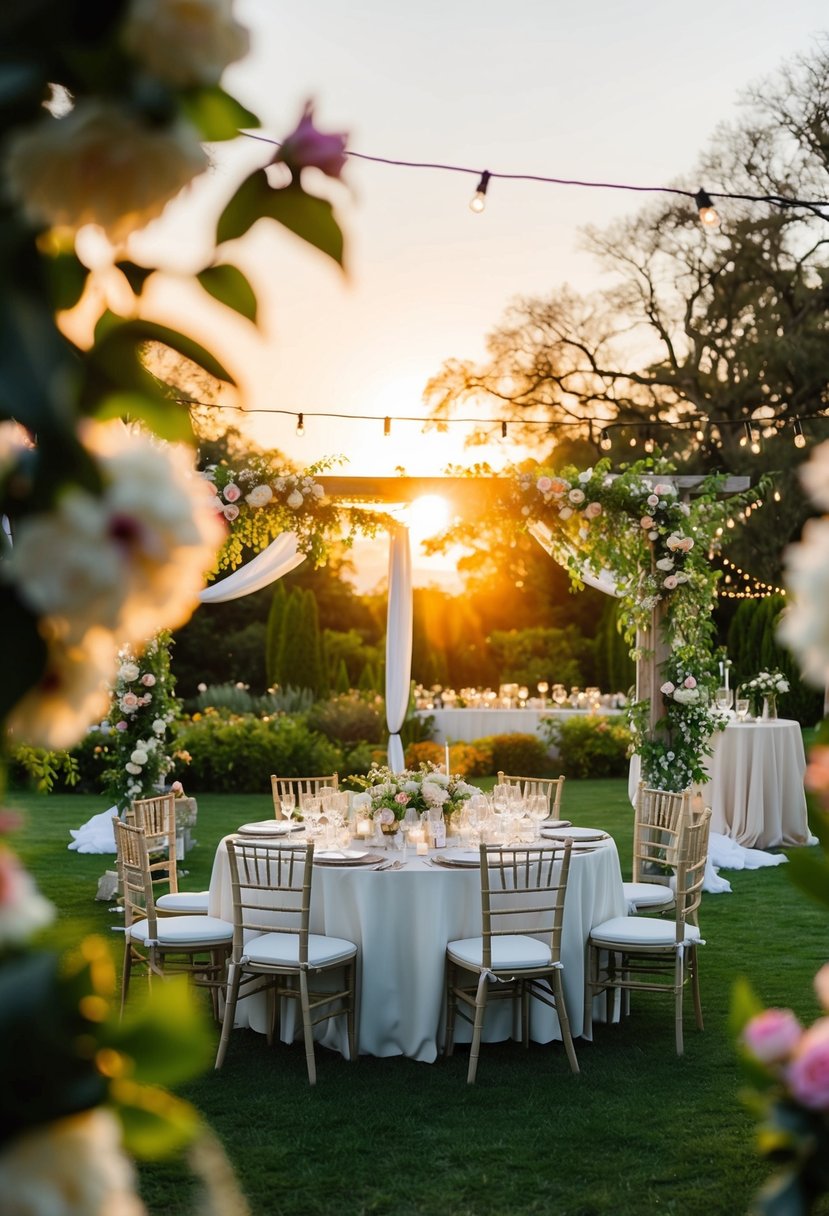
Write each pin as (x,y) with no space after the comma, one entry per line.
(636,931)
(515,951)
(184,901)
(648,894)
(185,931)
(282,950)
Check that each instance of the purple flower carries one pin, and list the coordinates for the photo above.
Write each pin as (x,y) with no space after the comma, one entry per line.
(306,147)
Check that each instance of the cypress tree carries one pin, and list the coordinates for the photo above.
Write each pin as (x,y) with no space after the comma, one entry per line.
(273,636)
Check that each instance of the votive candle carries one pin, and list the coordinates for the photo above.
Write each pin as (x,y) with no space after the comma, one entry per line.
(422,848)
(446,760)
(363,828)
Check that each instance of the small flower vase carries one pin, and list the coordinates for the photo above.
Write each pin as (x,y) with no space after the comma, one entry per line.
(769,707)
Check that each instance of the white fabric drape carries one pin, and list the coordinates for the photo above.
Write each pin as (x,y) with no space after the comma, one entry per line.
(272,563)
(398,642)
(564,555)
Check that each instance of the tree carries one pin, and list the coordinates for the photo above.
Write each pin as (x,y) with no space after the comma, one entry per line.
(699,334)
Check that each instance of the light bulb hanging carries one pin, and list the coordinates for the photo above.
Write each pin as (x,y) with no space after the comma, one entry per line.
(799,437)
(300,424)
(387,427)
(708,216)
(478,200)
(604,440)
(503,430)
(650,443)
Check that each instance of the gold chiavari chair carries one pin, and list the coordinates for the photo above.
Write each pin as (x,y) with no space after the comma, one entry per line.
(518,955)
(657,819)
(296,788)
(156,817)
(551,787)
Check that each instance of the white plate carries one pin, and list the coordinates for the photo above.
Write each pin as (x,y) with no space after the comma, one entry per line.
(270,827)
(546,824)
(457,857)
(577,833)
(340,854)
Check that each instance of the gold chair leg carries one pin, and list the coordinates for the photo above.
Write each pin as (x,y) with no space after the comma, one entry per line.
(477,1029)
(307,1028)
(270,1014)
(234,975)
(693,966)
(351,1017)
(588,992)
(451,1005)
(525,1015)
(564,1021)
(679,992)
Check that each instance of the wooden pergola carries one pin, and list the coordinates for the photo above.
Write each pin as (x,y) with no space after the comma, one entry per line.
(473,494)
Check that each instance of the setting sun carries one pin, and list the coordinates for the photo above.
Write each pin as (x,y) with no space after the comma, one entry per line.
(427,516)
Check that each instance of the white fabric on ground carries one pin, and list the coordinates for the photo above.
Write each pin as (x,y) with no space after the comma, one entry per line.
(96,835)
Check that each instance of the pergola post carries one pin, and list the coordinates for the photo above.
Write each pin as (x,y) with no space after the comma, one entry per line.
(655,650)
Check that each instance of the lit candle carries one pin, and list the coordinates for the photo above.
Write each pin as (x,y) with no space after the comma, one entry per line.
(422,848)
(726,674)
(363,828)
(446,753)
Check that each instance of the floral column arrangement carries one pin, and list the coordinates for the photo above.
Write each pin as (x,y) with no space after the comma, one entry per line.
(143,707)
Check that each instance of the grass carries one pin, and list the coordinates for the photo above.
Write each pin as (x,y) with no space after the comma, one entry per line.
(639,1131)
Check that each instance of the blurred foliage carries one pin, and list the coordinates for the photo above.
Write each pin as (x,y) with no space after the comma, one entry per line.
(589,747)
(753,646)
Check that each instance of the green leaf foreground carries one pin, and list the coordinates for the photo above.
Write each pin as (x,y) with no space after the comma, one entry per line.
(308,217)
(216,115)
(168,419)
(229,286)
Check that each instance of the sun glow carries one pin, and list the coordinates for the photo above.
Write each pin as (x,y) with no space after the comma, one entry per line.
(427,516)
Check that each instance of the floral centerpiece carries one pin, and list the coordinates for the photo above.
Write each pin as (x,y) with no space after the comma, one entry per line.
(767,686)
(388,796)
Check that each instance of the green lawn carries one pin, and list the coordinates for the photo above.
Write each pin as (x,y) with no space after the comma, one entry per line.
(639,1131)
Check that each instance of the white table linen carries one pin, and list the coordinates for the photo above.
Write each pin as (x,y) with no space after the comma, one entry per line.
(401,922)
(756,789)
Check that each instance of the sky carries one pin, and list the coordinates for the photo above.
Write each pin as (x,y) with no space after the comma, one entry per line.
(598,90)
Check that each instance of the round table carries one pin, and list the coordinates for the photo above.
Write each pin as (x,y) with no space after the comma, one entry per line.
(401,921)
(756,789)
(464,725)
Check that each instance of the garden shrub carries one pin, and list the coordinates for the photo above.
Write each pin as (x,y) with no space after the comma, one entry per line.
(237,755)
(466,759)
(590,746)
(519,755)
(424,752)
(349,718)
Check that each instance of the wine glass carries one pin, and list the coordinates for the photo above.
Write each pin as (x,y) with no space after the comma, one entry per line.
(742,708)
(559,695)
(287,804)
(543,689)
(724,698)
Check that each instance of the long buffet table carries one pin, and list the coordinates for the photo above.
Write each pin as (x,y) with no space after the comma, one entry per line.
(464,725)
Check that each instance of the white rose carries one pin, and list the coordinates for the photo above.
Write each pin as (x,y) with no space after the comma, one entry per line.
(665,563)
(139,756)
(128,672)
(259,496)
(101,164)
(185,42)
(133,769)
(23,910)
(435,795)
(295,500)
(317,490)
(73,1166)
(159,726)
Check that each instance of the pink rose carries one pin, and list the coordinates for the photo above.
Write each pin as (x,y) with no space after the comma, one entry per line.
(668,688)
(177,788)
(231,492)
(772,1035)
(592,510)
(121,725)
(576,496)
(662,489)
(543,485)
(646,522)
(653,500)
(129,701)
(230,512)
(306,147)
(401,798)
(670,582)
(148,680)
(689,682)
(808,1073)
(822,986)
(386,815)
(559,487)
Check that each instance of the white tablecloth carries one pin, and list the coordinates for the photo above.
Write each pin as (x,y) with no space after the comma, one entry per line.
(463,725)
(401,922)
(756,789)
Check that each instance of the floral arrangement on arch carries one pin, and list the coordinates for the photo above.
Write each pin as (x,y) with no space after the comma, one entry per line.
(261,500)
(388,796)
(143,707)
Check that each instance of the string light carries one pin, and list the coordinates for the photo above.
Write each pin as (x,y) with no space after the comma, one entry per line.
(752,588)
(605,442)
(816,206)
(478,201)
(387,427)
(708,216)
(777,496)
(799,437)
(300,424)
(650,443)
(503,430)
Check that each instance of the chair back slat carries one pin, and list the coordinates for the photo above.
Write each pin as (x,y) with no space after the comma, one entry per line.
(658,815)
(157,819)
(136,879)
(550,787)
(271,888)
(298,788)
(523,888)
(692,855)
